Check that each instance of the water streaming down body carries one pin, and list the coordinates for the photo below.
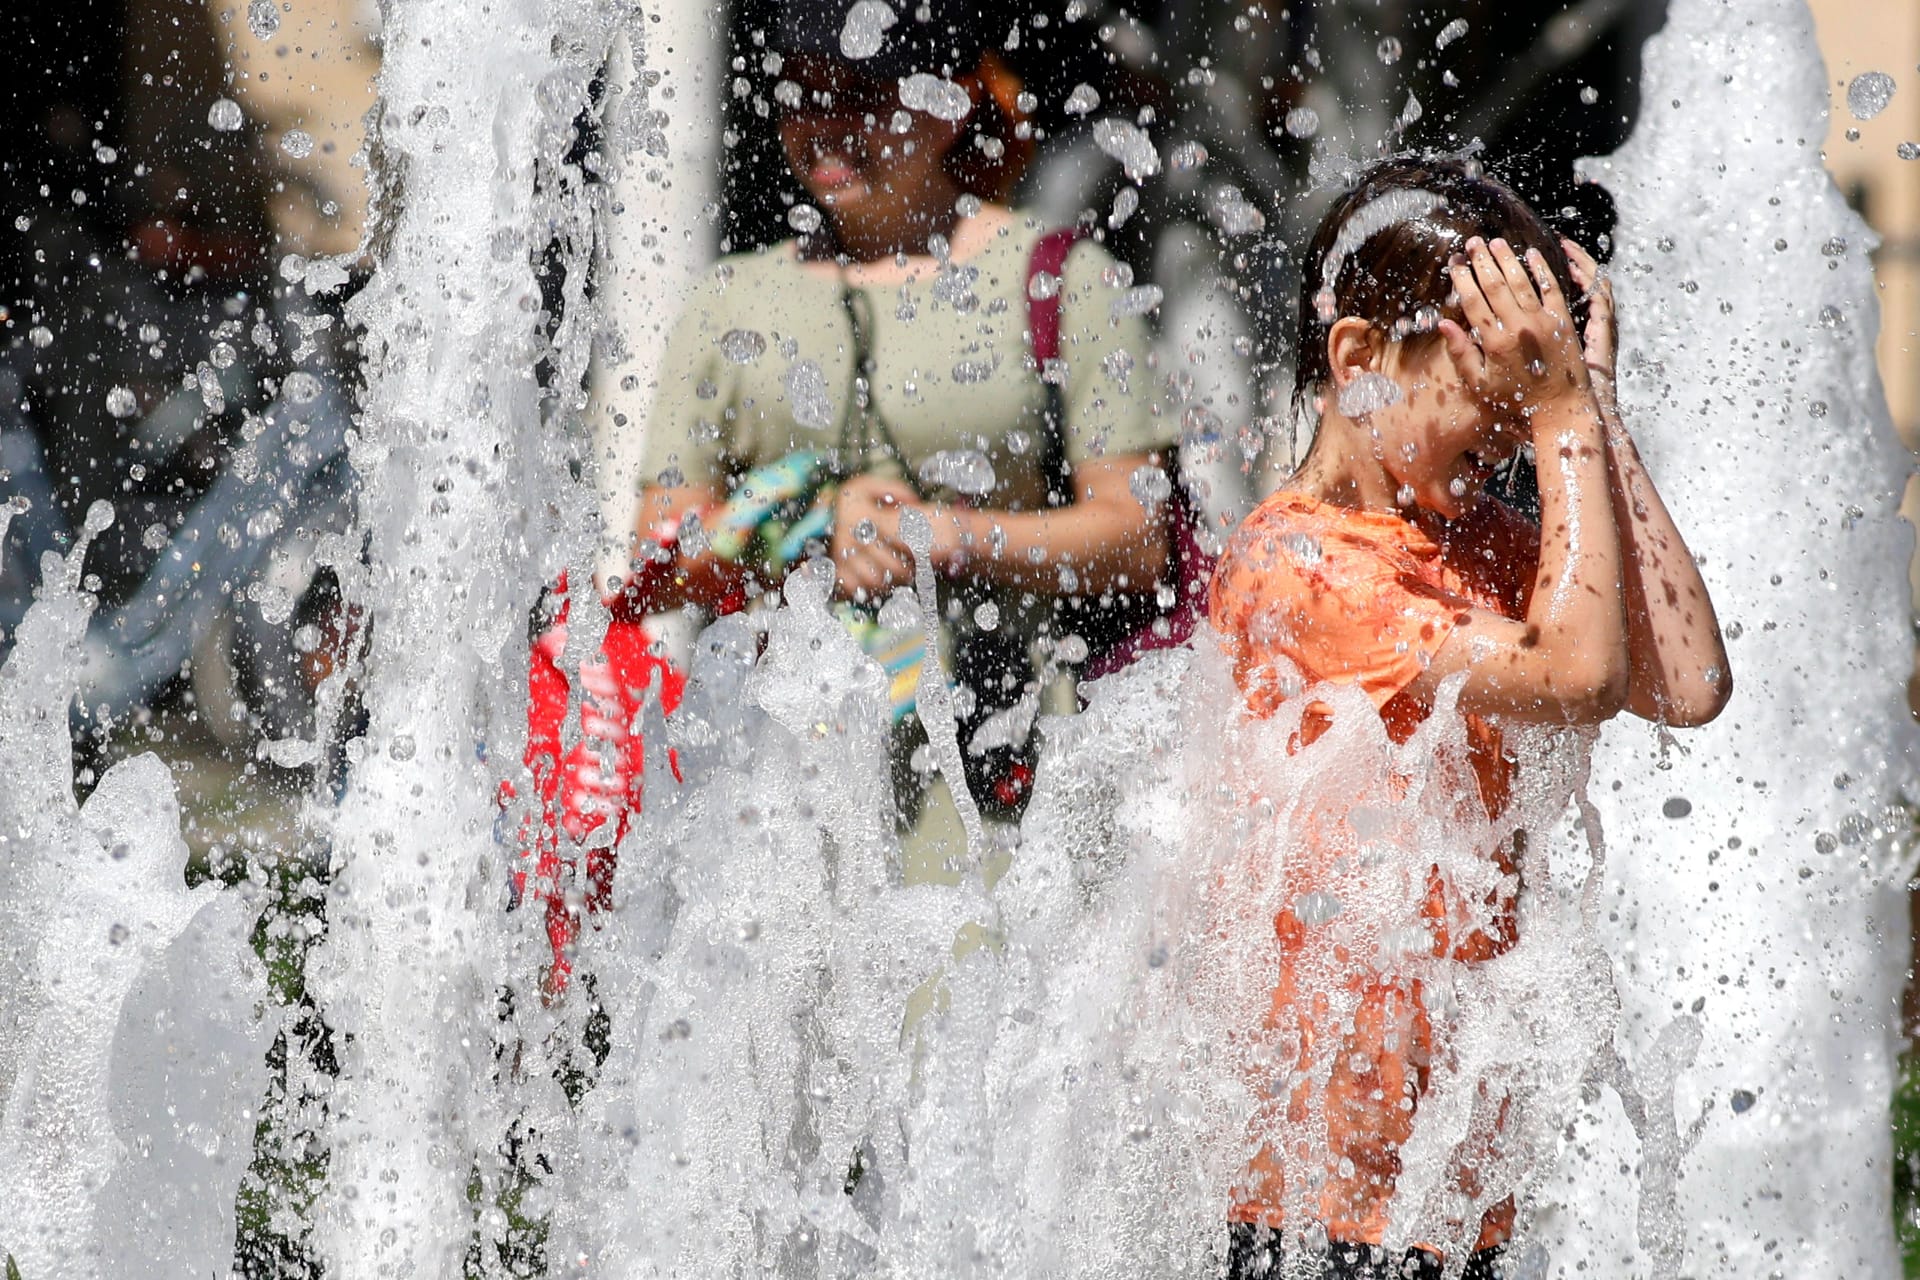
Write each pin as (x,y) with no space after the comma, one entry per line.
(1753,877)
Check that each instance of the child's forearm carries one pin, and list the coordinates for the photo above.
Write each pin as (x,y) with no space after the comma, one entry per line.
(1578,612)
(1679,660)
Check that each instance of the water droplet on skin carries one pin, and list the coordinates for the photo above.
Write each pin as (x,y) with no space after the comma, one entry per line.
(225,115)
(122,403)
(864,31)
(1869,93)
(263,18)
(297,143)
(1367,393)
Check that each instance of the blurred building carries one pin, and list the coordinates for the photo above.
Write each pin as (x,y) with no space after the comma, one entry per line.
(1861,38)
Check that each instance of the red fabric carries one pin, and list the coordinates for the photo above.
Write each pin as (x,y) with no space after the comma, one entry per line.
(599,777)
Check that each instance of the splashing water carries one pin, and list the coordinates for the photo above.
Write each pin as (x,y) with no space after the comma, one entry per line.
(134,1049)
(1058,1066)
(1771,904)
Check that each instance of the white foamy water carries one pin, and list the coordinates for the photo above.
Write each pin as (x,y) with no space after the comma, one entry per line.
(1769,900)
(132,1041)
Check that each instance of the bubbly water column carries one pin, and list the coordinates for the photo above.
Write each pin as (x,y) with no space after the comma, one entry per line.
(1755,876)
(460,455)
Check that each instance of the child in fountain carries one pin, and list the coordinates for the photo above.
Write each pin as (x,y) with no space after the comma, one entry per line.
(1439,333)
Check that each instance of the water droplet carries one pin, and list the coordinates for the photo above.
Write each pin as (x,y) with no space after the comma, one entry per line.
(807,395)
(222,356)
(1449,33)
(804,218)
(1869,93)
(402,747)
(1316,908)
(965,471)
(225,115)
(301,387)
(1388,50)
(1676,807)
(1150,485)
(297,143)
(941,99)
(1137,301)
(117,933)
(1125,201)
(1368,393)
(1186,157)
(1908,151)
(1303,122)
(1835,247)
(1825,842)
(742,346)
(862,34)
(1130,145)
(1084,100)
(122,403)
(1741,1100)
(40,336)
(987,616)
(263,18)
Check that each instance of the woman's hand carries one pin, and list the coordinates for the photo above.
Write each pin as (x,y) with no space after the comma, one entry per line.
(869,555)
(1602,341)
(1523,353)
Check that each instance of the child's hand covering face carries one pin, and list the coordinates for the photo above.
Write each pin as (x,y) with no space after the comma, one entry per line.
(1521,350)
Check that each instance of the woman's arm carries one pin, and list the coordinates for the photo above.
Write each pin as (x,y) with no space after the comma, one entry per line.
(1680,671)
(1106,540)
(1568,660)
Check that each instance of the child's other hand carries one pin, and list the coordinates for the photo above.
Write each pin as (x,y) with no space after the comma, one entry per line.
(1523,352)
(1602,342)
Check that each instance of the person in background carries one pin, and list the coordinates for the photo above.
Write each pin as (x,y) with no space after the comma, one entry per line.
(887,359)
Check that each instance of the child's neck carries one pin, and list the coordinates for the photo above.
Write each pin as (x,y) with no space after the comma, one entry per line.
(1341,469)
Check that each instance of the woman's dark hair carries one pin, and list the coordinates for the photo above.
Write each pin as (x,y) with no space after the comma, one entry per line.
(1381,253)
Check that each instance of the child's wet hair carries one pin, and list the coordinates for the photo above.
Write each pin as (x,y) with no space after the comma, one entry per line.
(1381,253)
